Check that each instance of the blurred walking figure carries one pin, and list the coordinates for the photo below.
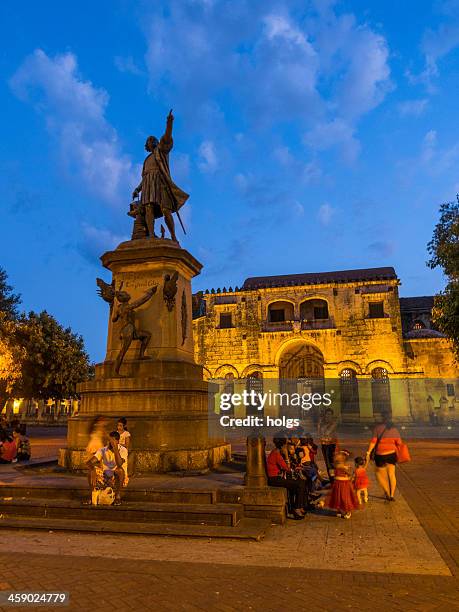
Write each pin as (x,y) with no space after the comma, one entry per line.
(97,436)
(125,440)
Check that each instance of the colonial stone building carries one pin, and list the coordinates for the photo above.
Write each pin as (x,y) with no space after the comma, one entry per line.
(348,331)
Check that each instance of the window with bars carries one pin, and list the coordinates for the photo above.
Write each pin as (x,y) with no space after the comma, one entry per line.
(376,310)
(226,320)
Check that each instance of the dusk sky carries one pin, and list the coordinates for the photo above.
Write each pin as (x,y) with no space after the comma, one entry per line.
(312,136)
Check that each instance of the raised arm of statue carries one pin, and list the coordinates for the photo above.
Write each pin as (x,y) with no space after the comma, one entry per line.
(144,298)
(166,139)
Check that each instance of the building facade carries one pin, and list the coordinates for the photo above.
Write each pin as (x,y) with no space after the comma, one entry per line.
(348,331)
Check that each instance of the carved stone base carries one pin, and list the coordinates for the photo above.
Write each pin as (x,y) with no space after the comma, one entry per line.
(147,461)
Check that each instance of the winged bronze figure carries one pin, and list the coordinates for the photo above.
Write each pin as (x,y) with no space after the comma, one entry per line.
(170,289)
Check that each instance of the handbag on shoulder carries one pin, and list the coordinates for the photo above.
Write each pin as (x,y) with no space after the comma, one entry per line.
(402,452)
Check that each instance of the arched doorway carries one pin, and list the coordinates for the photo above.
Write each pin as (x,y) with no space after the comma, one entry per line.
(301,370)
(301,360)
(380,392)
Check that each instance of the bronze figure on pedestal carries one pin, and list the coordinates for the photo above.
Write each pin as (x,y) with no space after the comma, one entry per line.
(160,196)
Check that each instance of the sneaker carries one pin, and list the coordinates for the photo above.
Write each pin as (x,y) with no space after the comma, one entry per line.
(347,515)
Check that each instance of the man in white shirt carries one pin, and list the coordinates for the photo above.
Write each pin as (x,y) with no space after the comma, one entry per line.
(106,467)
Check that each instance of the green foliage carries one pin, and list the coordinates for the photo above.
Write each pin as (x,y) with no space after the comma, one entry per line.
(11,358)
(445,313)
(444,252)
(55,358)
(9,301)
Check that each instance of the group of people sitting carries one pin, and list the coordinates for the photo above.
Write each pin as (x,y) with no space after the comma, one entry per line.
(292,465)
(107,461)
(14,443)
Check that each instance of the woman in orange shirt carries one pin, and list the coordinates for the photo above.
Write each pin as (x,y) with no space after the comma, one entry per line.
(385,441)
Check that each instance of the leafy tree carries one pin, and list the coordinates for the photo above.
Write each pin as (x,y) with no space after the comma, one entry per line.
(444,252)
(55,358)
(9,301)
(11,358)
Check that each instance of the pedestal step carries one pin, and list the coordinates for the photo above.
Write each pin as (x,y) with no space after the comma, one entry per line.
(246,529)
(127,512)
(166,496)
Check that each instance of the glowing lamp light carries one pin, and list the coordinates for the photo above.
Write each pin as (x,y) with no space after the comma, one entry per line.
(16,406)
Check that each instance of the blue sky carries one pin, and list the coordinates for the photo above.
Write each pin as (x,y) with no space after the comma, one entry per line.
(311,136)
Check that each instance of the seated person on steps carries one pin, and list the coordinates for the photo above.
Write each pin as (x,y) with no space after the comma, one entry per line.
(106,467)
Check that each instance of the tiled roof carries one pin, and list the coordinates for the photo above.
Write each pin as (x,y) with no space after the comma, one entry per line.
(423,333)
(424,302)
(321,278)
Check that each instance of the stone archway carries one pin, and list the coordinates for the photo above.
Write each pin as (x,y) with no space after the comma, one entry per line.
(301,360)
(301,370)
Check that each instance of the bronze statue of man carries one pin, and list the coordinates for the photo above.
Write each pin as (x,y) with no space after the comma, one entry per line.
(160,196)
(129,331)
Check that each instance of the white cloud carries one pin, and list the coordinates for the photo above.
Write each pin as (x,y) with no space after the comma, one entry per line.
(428,147)
(277,73)
(75,114)
(304,171)
(127,65)
(180,167)
(208,160)
(366,79)
(413,108)
(336,133)
(438,160)
(325,214)
(298,208)
(438,43)
(96,241)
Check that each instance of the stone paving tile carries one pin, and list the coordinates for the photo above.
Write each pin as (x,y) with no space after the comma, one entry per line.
(160,585)
(371,536)
(263,576)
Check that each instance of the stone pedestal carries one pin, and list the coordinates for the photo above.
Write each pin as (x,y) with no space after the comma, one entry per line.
(163,396)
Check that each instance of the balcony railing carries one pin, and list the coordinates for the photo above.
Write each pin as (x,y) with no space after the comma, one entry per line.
(282,326)
(318,324)
(278,326)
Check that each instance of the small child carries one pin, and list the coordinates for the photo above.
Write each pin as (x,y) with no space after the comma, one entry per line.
(22,443)
(342,497)
(361,480)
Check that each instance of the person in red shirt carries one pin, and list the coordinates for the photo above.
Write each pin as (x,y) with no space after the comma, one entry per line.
(280,475)
(7,448)
(385,441)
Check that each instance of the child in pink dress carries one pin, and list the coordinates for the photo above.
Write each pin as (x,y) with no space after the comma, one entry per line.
(361,480)
(342,497)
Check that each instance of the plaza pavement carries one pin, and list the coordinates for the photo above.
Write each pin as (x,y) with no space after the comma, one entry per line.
(389,556)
